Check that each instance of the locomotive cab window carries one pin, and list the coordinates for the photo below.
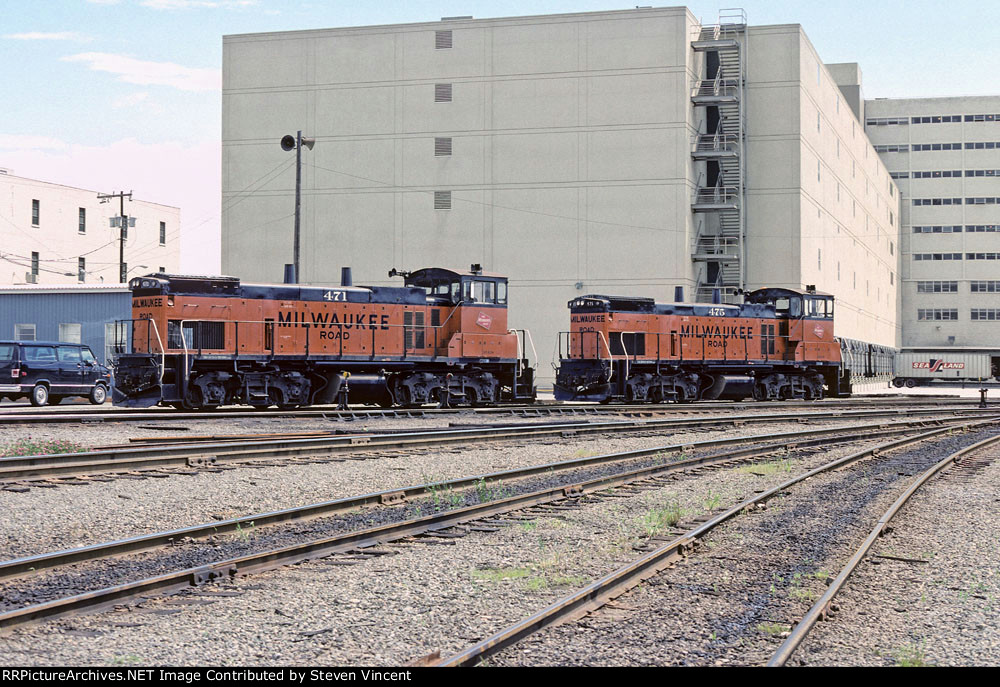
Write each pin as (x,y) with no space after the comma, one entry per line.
(479,291)
(819,307)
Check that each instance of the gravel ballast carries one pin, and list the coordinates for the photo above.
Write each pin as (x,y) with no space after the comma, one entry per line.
(430,596)
(80,514)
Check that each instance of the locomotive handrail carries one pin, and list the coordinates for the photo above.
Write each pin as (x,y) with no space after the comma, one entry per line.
(159,340)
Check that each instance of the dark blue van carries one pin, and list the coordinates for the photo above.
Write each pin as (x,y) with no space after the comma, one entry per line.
(49,371)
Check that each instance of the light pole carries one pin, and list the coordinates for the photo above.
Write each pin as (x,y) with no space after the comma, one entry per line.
(288,142)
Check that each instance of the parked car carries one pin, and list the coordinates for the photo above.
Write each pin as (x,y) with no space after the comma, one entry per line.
(49,371)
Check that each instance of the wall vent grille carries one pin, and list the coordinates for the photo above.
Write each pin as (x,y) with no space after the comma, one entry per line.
(442,92)
(442,200)
(442,146)
(442,40)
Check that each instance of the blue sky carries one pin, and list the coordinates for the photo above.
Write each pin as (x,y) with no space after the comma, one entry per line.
(125,94)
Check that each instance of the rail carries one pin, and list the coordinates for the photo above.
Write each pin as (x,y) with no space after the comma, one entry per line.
(821,607)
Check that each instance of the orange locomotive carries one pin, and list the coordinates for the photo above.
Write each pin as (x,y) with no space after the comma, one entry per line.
(202,342)
(779,344)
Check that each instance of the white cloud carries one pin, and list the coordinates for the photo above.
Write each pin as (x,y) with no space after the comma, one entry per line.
(193,4)
(40,36)
(184,176)
(131,70)
(131,100)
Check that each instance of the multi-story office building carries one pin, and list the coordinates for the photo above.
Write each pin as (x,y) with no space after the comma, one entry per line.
(54,234)
(944,154)
(623,152)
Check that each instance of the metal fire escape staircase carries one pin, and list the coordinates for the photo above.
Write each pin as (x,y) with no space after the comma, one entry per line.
(719,204)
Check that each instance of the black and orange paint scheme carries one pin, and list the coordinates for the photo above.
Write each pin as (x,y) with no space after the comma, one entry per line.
(202,342)
(779,344)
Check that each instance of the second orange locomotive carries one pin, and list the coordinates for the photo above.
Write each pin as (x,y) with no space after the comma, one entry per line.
(779,344)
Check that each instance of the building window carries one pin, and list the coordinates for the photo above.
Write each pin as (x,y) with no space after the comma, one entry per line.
(938,256)
(893,148)
(81,269)
(938,229)
(35,212)
(981,145)
(982,256)
(937,119)
(115,339)
(985,287)
(938,201)
(442,92)
(981,228)
(937,314)
(442,200)
(83,221)
(937,287)
(442,146)
(24,332)
(985,314)
(34,265)
(69,333)
(442,40)
(983,118)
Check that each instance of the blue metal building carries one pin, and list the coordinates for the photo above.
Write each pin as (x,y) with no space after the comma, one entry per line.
(84,313)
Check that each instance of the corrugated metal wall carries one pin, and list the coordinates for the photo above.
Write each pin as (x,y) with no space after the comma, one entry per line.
(48,310)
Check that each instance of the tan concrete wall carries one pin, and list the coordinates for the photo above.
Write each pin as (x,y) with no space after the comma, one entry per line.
(965,332)
(571,168)
(822,209)
(59,243)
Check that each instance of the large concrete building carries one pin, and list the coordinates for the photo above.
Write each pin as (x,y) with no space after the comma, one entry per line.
(623,152)
(55,234)
(945,155)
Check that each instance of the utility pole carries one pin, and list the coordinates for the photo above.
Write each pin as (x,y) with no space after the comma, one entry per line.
(104,198)
(289,143)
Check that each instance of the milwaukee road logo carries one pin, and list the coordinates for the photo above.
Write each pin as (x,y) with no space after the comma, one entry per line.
(484,320)
(717,331)
(937,365)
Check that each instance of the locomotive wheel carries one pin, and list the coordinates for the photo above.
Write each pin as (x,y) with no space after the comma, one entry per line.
(403,396)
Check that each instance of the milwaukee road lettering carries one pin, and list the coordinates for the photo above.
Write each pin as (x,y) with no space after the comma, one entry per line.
(330,325)
(716,331)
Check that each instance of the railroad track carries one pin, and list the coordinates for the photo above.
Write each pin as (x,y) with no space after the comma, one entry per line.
(610,587)
(485,515)
(18,473)
(968,460)
(30,415)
